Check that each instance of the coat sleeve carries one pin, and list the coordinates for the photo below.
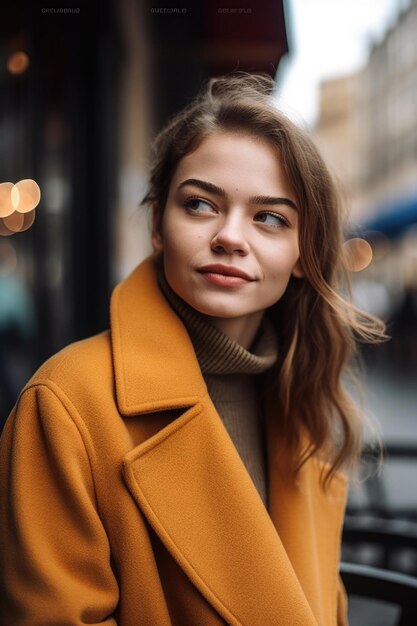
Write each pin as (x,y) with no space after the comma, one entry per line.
(55,556)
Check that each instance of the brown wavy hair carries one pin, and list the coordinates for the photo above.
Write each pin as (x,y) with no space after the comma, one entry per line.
(318,327)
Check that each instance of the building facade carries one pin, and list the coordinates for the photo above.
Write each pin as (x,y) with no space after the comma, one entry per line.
(388,116)
(367,131)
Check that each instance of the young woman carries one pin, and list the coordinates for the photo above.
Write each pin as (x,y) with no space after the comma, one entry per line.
(187,466)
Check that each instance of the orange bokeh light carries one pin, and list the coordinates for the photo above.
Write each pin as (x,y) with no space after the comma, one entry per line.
(28,219)
(26,195)
(17,63)
(4,231)
(17,206)
(6,205)
(14,222)
(358,254)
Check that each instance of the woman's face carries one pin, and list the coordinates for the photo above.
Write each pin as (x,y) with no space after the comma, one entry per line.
(229,232)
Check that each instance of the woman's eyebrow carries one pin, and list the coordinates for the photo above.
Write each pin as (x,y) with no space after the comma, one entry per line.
(218,191)
(273,200)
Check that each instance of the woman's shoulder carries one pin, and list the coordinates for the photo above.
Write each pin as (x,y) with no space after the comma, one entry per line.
(78,368)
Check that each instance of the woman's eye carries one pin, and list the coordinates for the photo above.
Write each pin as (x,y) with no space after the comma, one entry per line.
(196,205)
(271,219)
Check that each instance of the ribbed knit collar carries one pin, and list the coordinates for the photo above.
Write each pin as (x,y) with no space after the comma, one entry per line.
(216,352)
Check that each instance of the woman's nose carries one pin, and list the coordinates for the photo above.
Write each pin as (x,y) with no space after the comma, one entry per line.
(231,238)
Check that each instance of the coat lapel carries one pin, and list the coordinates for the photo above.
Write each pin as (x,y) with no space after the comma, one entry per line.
(191,484)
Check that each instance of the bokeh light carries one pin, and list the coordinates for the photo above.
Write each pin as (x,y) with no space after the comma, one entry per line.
(14,222)
(6,205)
(26,195)
(17,63)
(4,231)
(17,206)
(357,253)
(15,197)
(28,219)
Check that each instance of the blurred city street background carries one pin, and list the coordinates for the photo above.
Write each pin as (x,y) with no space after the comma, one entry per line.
(84,86)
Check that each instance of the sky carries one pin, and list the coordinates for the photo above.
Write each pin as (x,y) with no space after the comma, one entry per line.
(327,38)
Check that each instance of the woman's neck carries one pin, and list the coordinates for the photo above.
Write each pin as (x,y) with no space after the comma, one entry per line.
(243,330)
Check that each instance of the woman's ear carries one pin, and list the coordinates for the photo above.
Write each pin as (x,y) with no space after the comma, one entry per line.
(156,237)
(297,271)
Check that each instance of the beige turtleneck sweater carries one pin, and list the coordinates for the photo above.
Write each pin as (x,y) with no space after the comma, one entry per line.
(232,375)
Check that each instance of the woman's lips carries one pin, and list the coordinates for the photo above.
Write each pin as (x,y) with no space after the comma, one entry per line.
(225,275)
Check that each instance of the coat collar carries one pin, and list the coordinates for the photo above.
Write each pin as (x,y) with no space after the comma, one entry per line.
(254,566)
(142,320)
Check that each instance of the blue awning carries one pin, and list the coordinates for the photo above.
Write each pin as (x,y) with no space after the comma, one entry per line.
(394,217)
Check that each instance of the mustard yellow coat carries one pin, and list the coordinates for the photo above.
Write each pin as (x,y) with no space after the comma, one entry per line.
(124,501)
